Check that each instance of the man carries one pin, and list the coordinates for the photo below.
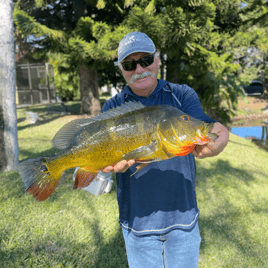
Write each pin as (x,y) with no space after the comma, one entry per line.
(157,205)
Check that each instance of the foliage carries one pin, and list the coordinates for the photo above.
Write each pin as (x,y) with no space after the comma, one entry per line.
(206,42)
(255,12)
(28,25)
(67,83)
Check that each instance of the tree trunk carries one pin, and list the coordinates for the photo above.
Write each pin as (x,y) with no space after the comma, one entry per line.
(264,82)
(173,70)
(90,103)
(9,149)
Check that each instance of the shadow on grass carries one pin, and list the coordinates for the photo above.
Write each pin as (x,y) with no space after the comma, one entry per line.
(220,173)
(225,224)
(235,142)
(262,144)
(227,221)
(41,122)
(72,107)
(54,248)
(67,253)
(50,112)
(226,231)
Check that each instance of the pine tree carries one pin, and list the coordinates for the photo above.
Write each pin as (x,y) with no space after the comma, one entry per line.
(199,37)
(68,29)
(195,36)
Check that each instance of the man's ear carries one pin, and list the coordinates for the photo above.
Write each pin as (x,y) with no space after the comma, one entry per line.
(157,57)
(120,68)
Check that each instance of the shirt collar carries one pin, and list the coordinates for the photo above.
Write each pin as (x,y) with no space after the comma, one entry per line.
(161,84)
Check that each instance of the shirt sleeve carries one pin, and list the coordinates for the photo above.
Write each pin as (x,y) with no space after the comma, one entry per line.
(191,105)
(109,104)
(113,102)
(105,107)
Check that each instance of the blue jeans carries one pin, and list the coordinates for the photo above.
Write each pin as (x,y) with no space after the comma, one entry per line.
(176,249)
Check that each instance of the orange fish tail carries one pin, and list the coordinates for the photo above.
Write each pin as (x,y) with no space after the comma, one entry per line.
(37,178)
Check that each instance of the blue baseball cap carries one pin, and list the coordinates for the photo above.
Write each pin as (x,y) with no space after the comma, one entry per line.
(134,42)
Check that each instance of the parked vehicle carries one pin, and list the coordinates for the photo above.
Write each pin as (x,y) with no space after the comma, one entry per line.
(255,88)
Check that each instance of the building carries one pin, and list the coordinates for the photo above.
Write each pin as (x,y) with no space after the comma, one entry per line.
(34,83)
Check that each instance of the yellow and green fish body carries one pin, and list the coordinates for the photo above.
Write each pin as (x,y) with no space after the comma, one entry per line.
(131,131)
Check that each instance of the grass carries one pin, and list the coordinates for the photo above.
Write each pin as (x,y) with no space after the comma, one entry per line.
(232,195)
(75,229)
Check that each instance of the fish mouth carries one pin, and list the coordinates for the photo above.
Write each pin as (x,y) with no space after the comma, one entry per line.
(210,136)
(206,127)
(203,134)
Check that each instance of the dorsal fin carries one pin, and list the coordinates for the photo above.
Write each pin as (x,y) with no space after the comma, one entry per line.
(65,135)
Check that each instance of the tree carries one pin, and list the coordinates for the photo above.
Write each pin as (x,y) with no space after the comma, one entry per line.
(66,79)
(255,18)
(8,117)
(197,36)
(73,28)
(47,20)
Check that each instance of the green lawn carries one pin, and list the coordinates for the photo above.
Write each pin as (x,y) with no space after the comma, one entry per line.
(75,229)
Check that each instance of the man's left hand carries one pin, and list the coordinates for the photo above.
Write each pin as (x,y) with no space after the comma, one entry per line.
(215,147)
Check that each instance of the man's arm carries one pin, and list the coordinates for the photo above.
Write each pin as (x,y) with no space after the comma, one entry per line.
(215,147)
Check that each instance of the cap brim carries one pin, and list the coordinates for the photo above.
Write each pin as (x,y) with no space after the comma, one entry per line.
(131,51)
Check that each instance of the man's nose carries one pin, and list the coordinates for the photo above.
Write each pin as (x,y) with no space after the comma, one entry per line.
(139,69)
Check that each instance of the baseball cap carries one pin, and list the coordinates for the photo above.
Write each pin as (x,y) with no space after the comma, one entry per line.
(134,42)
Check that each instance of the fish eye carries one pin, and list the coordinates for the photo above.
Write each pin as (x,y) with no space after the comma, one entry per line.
(185,118)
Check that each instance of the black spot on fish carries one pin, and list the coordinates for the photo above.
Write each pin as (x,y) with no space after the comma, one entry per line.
(44,168)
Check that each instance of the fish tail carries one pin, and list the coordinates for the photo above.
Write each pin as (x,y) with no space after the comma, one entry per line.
(38,179)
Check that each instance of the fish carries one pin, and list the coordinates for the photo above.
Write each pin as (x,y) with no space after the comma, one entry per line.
(130,131)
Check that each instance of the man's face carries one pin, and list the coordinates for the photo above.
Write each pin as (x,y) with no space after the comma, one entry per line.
(144,86)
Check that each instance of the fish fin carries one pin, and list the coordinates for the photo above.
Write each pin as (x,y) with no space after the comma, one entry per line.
(140,167)
(143,151)
(119,110)
(42,193)
(65,135)
(37,178)
(206,139)
(143,161)
(185,150)
(83,177)
(172,151)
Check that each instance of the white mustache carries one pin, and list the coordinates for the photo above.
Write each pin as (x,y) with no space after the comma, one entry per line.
(140,76)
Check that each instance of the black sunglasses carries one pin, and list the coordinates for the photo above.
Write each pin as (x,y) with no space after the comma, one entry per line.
(144,62)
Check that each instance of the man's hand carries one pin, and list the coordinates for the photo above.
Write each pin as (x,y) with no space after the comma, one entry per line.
(119,167)
(215,147)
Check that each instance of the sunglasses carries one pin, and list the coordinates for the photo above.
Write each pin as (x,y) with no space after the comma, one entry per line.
(143,62)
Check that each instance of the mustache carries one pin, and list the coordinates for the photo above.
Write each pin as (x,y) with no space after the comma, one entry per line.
(140,76)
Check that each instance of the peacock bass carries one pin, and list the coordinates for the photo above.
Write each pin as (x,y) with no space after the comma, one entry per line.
(131,131)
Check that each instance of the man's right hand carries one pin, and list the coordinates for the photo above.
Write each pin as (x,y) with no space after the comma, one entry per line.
(119,167)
